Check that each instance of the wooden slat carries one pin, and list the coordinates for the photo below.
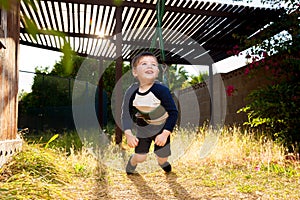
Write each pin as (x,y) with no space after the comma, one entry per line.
(84,18)
(96,22)
(49,15)
(94,47)
(39,23)
(213,22)
(102,18)
(150,23)
(131,21)
(84,27)
(61,16)
(78,24)
(37,6)
(90,19)
(88,26)
(110,29)
(54,16)
(68,16)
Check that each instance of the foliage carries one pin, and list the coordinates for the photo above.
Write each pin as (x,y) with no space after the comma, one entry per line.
(54,88)
(47,90)
(65,141)
(276,107)
(194,79)
(51,140)
(109,83)
(198,79)
(109,77)
(176,76)
(58,68)
(276,50)
(59,84)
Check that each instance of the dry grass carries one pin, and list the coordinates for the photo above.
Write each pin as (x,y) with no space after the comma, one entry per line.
(241,166)
(41,173)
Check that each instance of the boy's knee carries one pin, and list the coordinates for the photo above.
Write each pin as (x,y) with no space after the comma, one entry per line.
(161,160)
(140,157)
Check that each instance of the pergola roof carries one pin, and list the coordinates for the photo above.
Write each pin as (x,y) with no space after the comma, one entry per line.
(186,25)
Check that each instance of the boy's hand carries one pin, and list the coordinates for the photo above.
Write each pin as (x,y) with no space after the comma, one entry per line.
(132,141)
(161,139)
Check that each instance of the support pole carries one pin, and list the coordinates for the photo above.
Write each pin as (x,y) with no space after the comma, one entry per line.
(119,61)
(211,91)
(100,95)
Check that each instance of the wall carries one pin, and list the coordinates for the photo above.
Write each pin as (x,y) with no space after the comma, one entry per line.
(225,109)
(9,38)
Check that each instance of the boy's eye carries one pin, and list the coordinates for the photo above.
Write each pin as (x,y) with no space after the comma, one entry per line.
(145,64)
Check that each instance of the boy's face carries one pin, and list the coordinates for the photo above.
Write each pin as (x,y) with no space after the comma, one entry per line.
(146,69)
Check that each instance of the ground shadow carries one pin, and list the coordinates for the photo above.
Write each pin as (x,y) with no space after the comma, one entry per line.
(144,190)
(100,191)
(179,191)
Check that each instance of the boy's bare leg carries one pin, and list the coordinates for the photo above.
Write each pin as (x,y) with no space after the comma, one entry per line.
(164,164)
(138,158)
(133,161)
(161,161)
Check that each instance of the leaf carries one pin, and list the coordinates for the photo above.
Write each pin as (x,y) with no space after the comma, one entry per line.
(4,4)
(51,140)
(31,28)
(67,59)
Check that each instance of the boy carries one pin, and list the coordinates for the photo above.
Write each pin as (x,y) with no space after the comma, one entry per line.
(149,107)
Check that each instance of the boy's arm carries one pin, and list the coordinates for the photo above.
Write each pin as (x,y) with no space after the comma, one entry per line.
(126,118)
(168,103)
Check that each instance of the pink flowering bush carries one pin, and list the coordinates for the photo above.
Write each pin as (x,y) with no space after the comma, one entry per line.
(276,107)
(230,90)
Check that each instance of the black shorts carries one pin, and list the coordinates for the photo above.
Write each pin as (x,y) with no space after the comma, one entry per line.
(145,143)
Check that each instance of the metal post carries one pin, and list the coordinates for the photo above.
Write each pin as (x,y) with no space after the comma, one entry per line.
(100,95)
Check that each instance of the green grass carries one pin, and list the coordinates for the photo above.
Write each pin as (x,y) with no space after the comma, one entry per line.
(65,141)
(242,165)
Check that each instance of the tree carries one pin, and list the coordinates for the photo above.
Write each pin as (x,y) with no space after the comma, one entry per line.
(54,88)
(198,79)
(176,77)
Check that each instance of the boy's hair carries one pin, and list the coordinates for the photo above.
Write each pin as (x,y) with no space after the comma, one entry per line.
(136,59)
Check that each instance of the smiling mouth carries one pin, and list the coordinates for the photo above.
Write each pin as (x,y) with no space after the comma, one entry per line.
(149,72)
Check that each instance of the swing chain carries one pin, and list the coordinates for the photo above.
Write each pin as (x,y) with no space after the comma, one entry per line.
(160,9)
